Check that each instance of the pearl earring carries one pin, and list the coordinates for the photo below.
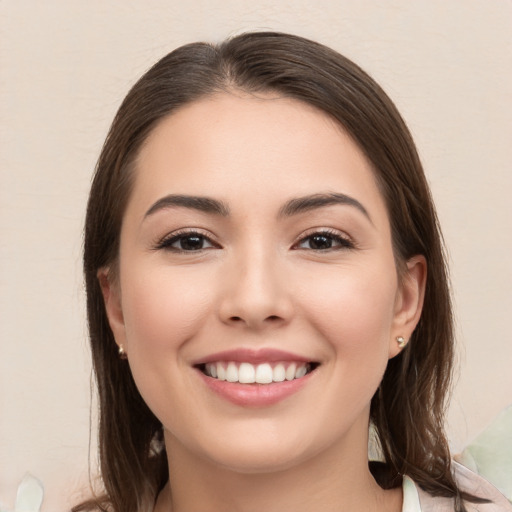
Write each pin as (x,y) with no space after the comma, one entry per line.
(401,342)
(122,353)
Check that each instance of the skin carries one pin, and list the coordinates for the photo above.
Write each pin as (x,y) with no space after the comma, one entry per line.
(259,282)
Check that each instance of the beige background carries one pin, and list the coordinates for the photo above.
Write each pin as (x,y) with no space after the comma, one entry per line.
(65,66)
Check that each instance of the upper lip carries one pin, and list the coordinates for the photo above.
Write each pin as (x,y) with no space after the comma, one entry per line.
(244,355)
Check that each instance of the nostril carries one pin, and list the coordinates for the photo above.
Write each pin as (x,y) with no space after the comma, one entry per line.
(270,319)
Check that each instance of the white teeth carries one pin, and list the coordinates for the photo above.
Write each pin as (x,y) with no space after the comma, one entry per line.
(301,371)
(211,369)
(221,372)
(290,371)
(264,373)
(246,373)
(232,373)
(279,373)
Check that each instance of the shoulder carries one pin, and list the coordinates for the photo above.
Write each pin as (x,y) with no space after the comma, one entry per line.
(468,482)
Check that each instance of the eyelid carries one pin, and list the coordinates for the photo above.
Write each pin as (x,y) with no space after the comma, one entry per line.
(166,241)
(348,242)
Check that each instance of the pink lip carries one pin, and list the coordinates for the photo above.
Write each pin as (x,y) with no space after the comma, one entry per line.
(254,395)
(266,355)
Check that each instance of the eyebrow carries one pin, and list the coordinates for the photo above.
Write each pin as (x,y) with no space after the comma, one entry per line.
(203,204)
(314,201)
(295,206)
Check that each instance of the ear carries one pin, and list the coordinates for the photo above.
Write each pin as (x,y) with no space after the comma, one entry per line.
(409,302)
(112,298)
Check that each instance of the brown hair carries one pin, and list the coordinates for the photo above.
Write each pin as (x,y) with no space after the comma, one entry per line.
(408,408)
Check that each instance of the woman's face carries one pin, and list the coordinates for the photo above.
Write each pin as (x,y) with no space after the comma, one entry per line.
(257,296)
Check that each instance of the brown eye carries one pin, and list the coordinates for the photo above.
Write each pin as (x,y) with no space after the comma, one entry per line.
(191,243)
(186,242)
(318,242)
(324,241)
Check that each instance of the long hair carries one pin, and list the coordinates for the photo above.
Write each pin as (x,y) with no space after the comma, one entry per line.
(407,410)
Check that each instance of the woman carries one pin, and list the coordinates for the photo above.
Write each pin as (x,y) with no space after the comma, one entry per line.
(265,278)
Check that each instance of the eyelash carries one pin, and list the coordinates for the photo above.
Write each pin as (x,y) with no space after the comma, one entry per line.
(167,242)
(332,236)
(343,241)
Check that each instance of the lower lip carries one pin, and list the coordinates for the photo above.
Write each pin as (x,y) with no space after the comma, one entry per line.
(254,395)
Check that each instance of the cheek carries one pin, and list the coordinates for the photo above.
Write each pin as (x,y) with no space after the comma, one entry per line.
(352,307)
(353,312)
(162,309)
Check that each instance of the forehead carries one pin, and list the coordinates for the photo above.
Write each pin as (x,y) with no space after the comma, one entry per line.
(252,147)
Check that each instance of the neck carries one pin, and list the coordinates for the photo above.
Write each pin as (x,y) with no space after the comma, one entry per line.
(328,482)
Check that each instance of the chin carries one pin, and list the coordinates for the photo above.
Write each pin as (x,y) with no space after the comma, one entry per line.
(267,449)
(258,460)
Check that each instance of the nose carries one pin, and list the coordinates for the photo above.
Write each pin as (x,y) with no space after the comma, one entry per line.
(255,293)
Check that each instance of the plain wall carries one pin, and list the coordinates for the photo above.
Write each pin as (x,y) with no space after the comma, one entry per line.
(64,68)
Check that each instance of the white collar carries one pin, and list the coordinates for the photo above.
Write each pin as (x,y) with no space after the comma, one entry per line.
(411,498)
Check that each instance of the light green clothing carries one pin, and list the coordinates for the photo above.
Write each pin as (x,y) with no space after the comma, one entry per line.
(417,500)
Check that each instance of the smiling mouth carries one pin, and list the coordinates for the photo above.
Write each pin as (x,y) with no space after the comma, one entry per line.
(263,373)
